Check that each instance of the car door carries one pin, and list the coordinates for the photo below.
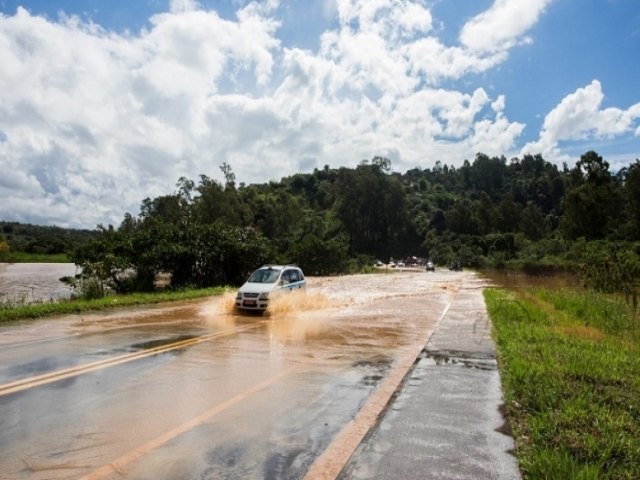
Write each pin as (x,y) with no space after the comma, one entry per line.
(297,280)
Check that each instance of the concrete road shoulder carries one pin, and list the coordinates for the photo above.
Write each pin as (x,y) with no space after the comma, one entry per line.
(446,420)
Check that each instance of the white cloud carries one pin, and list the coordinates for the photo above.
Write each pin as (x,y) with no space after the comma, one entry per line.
(495,137)
(580,116)
(503,25)
(499,104)
(94,121)
(178,6)
(121,111)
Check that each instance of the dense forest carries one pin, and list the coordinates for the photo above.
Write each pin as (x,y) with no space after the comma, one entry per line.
(40,240)
(525,213)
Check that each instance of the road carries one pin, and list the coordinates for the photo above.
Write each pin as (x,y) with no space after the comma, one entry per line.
(194,390)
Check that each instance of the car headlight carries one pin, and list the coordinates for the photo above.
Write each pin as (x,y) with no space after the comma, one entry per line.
(264,296)
(238,296)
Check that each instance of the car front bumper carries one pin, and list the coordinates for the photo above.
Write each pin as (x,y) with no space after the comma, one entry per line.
(251,304)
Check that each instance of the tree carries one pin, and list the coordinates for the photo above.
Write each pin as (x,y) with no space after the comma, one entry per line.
(105,263)
(166,208)
(486,214)
(460,219)
(4,250)
(532,222)
(632,197)
(593,203)
(508,214)
(229,176)
(487,174)
(321,257)
(215,203)
(371,206)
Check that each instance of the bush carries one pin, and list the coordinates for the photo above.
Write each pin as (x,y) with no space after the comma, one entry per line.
(321,257)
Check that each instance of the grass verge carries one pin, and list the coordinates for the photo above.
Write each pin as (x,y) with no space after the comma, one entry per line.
(570,368)
(23,257)
(11,312)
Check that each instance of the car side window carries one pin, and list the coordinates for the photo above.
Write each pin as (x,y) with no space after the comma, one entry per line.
(294,276)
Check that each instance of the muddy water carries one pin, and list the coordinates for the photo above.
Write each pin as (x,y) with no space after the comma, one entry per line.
(239,396)
(32,282)
(506,279)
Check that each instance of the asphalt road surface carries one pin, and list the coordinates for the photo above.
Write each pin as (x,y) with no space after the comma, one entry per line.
(196,391)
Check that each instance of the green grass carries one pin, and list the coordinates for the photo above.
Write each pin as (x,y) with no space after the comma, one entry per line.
(570,368)
(11,311)
(22,257)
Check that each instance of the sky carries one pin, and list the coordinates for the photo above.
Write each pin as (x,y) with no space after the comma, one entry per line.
(105,103)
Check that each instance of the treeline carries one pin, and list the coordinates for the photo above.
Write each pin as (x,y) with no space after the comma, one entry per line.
(20,238)
(522,213)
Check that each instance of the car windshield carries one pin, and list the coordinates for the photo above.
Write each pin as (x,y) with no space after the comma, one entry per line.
(264,275)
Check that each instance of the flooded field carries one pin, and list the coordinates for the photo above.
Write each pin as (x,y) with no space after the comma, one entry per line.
(33,282)
(196,390)
(506,279)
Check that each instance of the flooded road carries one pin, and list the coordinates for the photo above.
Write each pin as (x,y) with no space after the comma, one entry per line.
(195,390)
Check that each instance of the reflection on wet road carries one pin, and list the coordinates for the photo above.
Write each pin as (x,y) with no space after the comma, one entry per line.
(196,391)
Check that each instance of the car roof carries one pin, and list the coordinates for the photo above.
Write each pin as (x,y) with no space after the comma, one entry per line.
(278,267)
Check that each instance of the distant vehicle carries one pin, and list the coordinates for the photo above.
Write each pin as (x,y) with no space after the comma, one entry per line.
(455,265)
(430,266)
(400,264)
(266,282)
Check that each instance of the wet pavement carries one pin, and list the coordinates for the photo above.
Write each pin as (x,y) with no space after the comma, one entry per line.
(446,421)
(194,390)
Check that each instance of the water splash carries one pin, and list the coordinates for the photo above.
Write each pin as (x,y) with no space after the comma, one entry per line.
(296,301)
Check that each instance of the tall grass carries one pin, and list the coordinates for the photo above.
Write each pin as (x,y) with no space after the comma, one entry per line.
(15,310)
(570,367)
(603,311)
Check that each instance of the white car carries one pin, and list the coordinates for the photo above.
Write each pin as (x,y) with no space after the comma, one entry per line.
(264,282)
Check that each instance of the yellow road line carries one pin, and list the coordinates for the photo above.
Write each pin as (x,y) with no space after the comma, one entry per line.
(329,464)
(26,343)
(120,464)
(36,381)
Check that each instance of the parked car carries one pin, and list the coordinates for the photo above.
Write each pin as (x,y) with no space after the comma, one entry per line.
(430,266)
(267,281)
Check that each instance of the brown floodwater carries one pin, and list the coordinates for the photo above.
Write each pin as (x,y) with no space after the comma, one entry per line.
(507,279)
(198,390)
(33,282)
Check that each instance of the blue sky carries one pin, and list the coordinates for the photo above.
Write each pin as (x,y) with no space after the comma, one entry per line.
(103,103)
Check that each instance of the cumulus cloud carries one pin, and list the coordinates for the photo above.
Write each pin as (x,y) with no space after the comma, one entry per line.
(82,106)
(579,116)
(92,121)
(503,25)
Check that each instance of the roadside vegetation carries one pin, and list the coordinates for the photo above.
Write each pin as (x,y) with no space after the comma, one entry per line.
(522,213)
(570,368)
(17,310)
